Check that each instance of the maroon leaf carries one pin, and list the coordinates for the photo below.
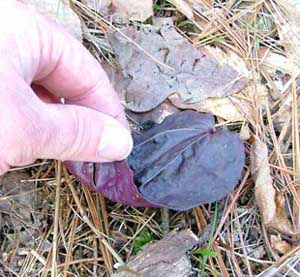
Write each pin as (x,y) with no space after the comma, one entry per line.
(113,180)
(178,164)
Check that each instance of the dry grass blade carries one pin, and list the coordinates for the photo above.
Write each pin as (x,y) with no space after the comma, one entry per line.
(85,218)
(296,150)
(99,225)
(124,35)
(56,218)
(68,230)
(68,259)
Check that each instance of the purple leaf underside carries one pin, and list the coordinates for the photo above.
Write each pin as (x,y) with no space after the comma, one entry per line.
(178,164)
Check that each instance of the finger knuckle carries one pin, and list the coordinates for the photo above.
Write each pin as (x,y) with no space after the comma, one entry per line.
(17,140)
(78,134)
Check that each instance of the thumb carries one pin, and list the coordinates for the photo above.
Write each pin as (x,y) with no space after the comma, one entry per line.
(70,132)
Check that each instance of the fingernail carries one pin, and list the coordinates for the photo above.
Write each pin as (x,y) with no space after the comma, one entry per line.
(115,145)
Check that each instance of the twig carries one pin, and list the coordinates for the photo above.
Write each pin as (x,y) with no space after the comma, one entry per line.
(56,217)
(165,221)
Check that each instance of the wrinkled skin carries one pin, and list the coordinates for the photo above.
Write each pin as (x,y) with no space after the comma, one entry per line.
(40,64)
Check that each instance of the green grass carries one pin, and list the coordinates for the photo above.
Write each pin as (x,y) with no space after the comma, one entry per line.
(144,237)
(208,252)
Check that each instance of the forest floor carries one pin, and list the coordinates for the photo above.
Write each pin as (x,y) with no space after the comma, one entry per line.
(50,223)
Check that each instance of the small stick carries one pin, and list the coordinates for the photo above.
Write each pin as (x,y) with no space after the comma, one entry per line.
(56,217)
(165,221)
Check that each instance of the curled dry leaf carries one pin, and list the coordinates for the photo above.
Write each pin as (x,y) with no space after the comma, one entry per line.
(270,203)
(237,107)
(194,74)
(177,164)
(280,245)
(286,15)
(61,12)
(245,132)
(156,115)
(280,69)
(274,61)
(230,108)
(123,10)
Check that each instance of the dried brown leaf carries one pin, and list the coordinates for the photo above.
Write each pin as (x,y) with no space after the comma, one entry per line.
(228,58)
(123,10)
(274,61)
(194,74)
(204,7)
(259,252)
(229,108)
(61,12)
(116,78)
(283,115)
(232,108)
(280,245)
(286,15)
(184,8)
(156,115)
(166,257)
(16,197)
(270,203)
(21,221)
(245,132)
(280,70)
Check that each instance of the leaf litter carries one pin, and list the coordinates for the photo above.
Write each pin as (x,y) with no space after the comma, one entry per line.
(224,20)
(19,223)
(286,15)
(233,108)
(270,202)
(122,10)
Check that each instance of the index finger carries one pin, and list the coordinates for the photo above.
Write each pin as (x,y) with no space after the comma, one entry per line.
(68,70)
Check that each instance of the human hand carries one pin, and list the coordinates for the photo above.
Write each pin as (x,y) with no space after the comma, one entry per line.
(90,126)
